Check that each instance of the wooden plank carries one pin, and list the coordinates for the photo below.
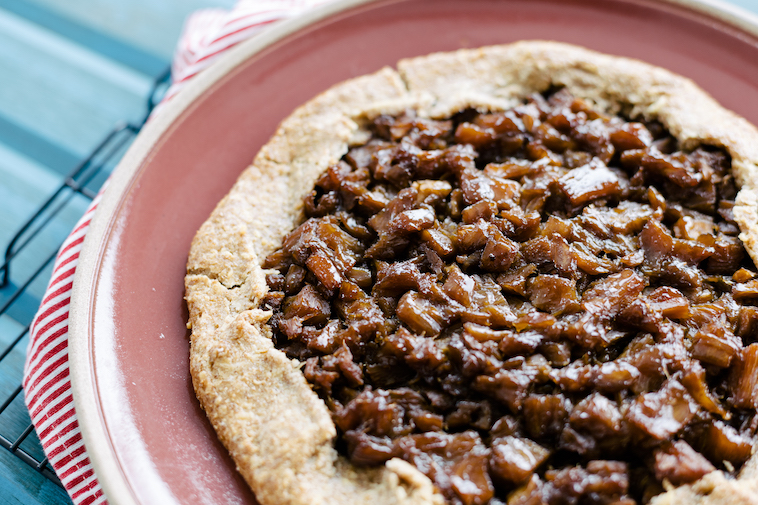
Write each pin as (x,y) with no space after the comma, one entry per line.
(21,485)
(24,185)
(751,5)
(31,145)
(64,92)
(13,420)
(151,26)
(94,39)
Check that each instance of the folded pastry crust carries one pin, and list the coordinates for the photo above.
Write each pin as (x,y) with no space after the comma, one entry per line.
(278,431)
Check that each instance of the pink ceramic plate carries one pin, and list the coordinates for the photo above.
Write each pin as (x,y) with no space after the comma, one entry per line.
(148,438)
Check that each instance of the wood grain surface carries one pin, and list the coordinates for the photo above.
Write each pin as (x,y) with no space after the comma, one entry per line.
(69,71)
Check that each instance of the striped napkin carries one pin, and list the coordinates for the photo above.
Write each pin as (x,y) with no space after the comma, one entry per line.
(206,36)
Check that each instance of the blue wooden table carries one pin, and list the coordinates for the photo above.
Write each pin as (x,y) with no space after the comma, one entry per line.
(69,71)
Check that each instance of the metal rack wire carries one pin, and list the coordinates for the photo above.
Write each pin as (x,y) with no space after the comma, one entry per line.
(85,180)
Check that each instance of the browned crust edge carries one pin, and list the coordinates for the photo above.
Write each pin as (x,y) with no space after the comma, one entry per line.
(278,431)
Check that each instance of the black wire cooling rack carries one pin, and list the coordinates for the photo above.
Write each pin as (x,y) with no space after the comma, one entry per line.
(18,276)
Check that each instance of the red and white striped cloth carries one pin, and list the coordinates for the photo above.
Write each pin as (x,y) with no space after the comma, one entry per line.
(47,385)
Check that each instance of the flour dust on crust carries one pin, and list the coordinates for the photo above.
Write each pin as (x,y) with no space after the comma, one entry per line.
(278,431)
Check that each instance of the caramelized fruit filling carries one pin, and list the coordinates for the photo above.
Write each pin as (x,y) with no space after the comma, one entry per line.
(542,305)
